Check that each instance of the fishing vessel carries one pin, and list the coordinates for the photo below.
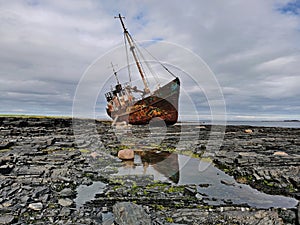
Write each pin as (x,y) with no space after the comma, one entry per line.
(127,103)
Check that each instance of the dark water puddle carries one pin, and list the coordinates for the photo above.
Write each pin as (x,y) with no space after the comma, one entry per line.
(87,193)
(213,185)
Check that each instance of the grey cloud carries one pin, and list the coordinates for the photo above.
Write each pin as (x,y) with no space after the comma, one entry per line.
(252,48)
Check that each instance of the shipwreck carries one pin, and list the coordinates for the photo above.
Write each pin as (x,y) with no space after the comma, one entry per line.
(128,103)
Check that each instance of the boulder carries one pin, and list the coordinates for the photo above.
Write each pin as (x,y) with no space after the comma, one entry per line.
(126,154)
(128,213)
(279,153)
(248,131)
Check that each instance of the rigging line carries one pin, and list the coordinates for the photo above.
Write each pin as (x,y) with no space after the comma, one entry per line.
(127,58)
(139,54)
(160,63)
(143,66)
(155,76)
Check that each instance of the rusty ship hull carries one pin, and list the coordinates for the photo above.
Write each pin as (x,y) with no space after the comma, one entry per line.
(162,104)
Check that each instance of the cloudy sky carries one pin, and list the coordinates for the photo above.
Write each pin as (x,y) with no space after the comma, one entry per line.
(251,47)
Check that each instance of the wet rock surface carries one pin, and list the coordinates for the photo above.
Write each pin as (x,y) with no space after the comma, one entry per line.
(44,162)
(267,159)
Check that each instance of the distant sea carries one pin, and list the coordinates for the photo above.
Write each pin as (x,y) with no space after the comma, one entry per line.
(291,124)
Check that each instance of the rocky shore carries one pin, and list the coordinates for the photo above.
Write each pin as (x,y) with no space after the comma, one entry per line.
(47,166)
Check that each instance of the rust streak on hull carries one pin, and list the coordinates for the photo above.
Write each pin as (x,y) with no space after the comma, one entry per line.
(162,104)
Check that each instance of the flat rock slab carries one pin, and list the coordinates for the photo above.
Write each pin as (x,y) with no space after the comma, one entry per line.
(33,170)
(65,202)
(6,219)
(36,206)
(127,213)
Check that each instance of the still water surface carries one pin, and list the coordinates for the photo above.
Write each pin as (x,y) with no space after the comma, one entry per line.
(290,124)
(213,185)
(210,181)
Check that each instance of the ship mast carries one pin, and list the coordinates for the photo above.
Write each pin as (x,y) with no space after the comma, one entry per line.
(115,73)
(132,49)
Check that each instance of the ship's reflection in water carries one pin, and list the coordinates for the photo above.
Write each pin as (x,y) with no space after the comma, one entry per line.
(213,184)
(162,165)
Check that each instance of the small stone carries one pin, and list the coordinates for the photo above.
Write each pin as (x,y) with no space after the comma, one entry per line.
(36,206)
(65,202)
(126,154)
(279,153)
(248,131)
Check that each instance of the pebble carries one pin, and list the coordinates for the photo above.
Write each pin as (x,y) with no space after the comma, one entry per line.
(248,131)
(281,153)
(228,182)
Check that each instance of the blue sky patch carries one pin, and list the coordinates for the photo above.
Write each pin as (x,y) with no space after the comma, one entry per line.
(151,42)
(291,8)
(32,2)
(139,16)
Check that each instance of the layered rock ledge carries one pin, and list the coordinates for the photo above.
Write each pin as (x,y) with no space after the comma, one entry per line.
(42,164)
